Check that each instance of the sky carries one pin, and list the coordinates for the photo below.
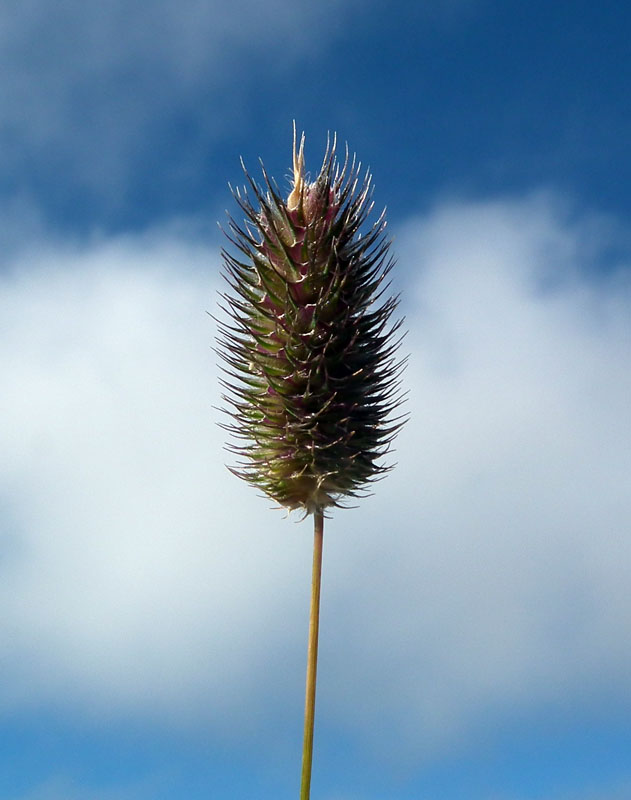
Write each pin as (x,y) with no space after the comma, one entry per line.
(476,609)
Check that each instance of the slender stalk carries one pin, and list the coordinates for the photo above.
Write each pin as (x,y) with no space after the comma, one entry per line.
(312,654)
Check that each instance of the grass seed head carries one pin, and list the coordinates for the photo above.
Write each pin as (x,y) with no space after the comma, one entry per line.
(309,348)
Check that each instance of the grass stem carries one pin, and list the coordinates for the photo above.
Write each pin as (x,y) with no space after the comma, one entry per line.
(312,655)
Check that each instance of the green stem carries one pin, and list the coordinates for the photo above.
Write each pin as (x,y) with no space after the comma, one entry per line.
(312,655)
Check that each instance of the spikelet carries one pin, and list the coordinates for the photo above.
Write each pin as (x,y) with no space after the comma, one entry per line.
(309,349)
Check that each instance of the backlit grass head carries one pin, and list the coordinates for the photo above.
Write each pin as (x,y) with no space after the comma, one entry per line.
(312,375)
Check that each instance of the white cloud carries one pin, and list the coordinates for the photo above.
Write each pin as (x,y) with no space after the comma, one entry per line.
(505,562)
(66,789)
(87,90)
(487,577)
(616,790)
(128,581)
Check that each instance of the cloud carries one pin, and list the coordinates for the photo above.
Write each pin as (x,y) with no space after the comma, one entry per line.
(87,92)
(124,565)
(503,580)
(66,789)
(617,790)
(487,578)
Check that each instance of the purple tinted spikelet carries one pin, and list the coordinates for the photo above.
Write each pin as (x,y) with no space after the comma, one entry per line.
(309,350)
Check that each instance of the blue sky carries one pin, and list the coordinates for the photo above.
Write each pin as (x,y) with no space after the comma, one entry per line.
(476,610)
